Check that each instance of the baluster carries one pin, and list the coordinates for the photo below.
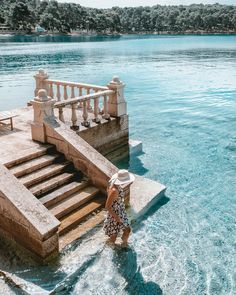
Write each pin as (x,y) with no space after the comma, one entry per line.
(74,117)
(88,101)
(85,114)
(105,110)
(80,94)
(96,110)
(100,111)
(72,92)
(58,92)
(65,92)
(61,115)
(51,94)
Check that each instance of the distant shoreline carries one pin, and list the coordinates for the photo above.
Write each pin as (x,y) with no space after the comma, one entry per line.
(93,34)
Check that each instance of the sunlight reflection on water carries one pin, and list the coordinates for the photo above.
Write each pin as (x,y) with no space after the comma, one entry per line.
(181,94)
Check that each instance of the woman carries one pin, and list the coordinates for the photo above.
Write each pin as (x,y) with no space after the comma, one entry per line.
(117,221)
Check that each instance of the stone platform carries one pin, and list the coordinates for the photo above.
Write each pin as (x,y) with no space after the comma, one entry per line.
(144,194)
(111,144)
(19,140)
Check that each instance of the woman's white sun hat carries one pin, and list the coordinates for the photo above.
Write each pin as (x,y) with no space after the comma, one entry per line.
(122,177)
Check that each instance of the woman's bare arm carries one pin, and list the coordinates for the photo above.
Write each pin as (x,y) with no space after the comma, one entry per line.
(112,195)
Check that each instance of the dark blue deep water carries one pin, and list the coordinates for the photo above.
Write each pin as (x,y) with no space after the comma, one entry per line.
(181,94)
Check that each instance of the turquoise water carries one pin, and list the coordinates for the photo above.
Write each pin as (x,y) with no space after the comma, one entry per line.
(181,94)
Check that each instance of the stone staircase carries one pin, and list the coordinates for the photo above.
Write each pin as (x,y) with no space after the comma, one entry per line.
(62,189)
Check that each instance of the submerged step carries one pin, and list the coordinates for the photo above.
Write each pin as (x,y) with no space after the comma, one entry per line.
(63,192)
(81,230)
(52,183)
(34,164)
(44,173)
(74,201)
(70,221)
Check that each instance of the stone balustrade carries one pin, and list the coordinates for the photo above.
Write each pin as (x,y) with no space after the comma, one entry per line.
(103,101)
(62,90)
(98,107)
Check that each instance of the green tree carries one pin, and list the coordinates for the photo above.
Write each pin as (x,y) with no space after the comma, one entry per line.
(64,17)
(50,18)
(21,16)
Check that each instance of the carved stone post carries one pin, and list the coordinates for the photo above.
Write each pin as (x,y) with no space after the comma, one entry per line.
(117,106)
(40,78)
(43,108)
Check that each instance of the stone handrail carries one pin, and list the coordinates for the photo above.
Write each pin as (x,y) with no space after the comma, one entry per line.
(84,157)
(24,217)
(72,87)
(84,102)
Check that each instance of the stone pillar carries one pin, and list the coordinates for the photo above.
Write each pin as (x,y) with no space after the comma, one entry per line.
(43,108)
(117,106)
(40,78)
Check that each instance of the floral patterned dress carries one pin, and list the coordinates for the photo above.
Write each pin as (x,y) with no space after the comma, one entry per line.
(111,226)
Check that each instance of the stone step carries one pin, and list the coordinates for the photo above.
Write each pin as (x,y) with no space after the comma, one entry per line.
(73,202)
(63,192)
(81,230)
(44,173)
(26,155)
(34,164)
(52,183)
(72,220)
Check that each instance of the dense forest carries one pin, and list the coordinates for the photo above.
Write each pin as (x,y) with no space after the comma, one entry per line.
(65,17)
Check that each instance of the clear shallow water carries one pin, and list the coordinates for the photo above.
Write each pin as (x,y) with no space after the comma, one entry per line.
(181,94)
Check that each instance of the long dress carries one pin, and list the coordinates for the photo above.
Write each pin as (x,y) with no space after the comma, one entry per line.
(111,226)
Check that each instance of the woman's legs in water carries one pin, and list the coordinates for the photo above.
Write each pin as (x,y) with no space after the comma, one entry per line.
(125,236)
(112,239)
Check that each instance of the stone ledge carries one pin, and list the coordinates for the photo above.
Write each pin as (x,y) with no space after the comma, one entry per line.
(24,218)
(144,193)
(135,147)
(106,135)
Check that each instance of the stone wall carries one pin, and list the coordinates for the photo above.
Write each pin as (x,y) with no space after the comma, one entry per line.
(110,138)
(24,218)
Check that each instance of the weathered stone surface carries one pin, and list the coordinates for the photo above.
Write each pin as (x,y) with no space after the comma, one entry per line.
(109,138)
(115,155)
(74,201)
(117,105)
(40,79)
(106,133)
(33,165)
(144,193)
(20,156)
(50,184)
(24,217)
(43,108)
(75,218)
(135,146)
(84,156)
(18,143)
(81,230)
(44,173)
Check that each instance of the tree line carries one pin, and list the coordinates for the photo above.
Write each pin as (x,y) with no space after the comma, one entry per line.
(65,17)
